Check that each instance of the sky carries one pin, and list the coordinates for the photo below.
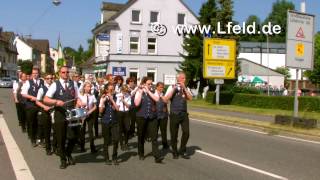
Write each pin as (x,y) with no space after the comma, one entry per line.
(73,20)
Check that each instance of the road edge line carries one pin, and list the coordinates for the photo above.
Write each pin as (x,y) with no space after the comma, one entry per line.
(20,166)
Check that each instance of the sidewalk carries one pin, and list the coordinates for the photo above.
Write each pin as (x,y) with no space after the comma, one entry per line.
(6,169)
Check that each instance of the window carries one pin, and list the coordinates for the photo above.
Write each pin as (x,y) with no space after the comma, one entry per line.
(152,73)
(134,72)
(152,45)
(136,16)
(181,18)
(134,45)
(154,17)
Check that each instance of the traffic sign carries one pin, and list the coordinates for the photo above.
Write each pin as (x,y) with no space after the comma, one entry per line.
(300,40)
(219,58)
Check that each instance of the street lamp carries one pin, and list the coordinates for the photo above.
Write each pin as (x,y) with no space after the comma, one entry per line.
(56,2)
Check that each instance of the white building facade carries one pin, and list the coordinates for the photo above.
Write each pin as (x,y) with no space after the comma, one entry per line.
(125,44)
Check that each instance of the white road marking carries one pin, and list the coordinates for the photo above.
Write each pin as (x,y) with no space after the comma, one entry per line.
(243,165)
(229,126)
(259,132)
(20,166)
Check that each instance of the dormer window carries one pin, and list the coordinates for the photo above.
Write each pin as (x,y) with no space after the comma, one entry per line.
(136,17)
(154,17)
(181,18)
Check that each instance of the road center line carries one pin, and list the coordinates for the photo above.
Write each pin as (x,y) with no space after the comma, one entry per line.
(20,166)
(242,165)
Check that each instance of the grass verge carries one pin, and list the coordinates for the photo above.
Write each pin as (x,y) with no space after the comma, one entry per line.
(257,111)
(270,128)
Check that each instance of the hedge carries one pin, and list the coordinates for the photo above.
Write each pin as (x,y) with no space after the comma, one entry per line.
(311,104)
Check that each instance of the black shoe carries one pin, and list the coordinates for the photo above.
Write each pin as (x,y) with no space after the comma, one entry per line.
(115,162)
(184,155)
(71,160)
(141,158)
(63,165)
(175,155)
(108,162)
(93,150)
(49,153)
(165,147)
(158,159)
(33,144)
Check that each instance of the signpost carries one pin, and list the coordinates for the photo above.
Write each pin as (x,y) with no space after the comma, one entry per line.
(119,71)
(219,60)
(300,45)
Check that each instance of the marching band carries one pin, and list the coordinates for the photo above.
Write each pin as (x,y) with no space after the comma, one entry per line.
(56,113)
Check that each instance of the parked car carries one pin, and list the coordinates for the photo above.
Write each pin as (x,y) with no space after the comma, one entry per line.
(6,82)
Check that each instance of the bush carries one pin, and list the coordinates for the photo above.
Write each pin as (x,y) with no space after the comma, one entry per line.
(310,104)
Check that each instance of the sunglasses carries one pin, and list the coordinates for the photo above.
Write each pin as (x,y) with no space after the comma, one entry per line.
(48,78)
(65,72)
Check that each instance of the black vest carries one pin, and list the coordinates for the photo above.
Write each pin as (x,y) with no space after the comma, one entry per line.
(147,108)
(33,91)
(178,102)
(109,113)
(162,110)
(65,94)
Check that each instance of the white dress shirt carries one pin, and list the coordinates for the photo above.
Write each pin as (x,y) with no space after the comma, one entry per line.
(87,98)
(26,86)
(41,94)
(120,104)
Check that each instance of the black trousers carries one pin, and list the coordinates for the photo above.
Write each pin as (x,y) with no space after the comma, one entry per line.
(46,128)
(32,121)
(63,132)
(150,127)
(133,118)
(124,126)
(162,125)
(96,122)
(21,115)
(90,121)
(110,133)
(177,120)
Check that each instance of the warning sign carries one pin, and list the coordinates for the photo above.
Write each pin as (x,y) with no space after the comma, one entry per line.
(299,49)
(300,33)
(300,38)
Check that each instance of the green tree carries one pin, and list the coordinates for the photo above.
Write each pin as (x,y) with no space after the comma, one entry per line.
(61,62)
(286,72)
(25,66)
(253,37)
(211,12)
(314,76)
(278,16)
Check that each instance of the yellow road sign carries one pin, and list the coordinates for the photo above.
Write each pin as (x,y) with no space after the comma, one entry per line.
(219,58)
(299,49)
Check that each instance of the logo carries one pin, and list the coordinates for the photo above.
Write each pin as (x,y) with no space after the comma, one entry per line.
(159,29)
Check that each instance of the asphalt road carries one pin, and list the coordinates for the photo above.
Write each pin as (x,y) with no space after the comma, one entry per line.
(217,152)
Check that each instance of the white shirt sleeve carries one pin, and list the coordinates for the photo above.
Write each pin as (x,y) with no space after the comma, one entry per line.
(94,100)
(40,94)
(76,89)
(25,88)
(101,105)
(52,89)
(15,87)
(169,90)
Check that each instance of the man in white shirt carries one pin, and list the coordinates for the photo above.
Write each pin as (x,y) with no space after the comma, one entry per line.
(29,91)
(63,94)
(178,95)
